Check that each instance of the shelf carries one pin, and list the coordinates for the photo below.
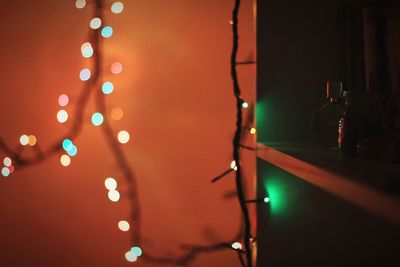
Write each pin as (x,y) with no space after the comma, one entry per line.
(373,186)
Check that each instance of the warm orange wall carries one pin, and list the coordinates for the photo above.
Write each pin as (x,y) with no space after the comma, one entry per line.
(179,107)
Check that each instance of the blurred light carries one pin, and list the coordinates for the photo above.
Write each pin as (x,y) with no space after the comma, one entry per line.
(72,151)
(233,165)
(65,160)
(84,75)
(116,68)
(123,226)
(138,251)
(95,23)
(231,22)
(32,140)
(87,50)
(106,32)
(245,105)
(113,195)
(117,7)
(266,199)
(24,140)
(62,116)
(110,183)
(117,114)
(130,256)
(107,88)
(5,171)
(123,137)
(80,4)
(253,130)
(67,144)
(97,119)
(11,168)
(63,100)
(7,162)
(237,245)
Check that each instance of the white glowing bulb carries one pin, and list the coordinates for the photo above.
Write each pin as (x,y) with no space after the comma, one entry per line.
(5,171)
(62,116)
(24,140)
(123,137)
(114,195)
(117,7)
(7,162)
(266,199)
(131,256)
(110,183)
(123,226)
(87,50)
(253,130)
(95,23)
(65,160)
(233,165)
(245,105)
(80,4)
(237,246)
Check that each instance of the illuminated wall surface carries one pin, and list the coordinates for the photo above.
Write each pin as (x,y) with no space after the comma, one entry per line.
(178,107)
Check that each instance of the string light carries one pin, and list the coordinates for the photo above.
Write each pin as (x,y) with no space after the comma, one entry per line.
(137,250)
(245,105)
(130,256)
(67,144)
(116,68)
(123,226)
(107,88)
(107,32)
(266,199)
(233,165)
(95,23)
(5,171)
(72,151)
(65,160)
(62,116)
(97,119)
(123,137)
(110,183)
(87,50)
(32,140)
(24,140)
(237,246)
(253,130)
(7,162)
(63,100)
(80,4)
(117,7)
(85,74)
(114,195)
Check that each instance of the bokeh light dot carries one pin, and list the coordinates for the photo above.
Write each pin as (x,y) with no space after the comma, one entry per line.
(113,195)
(137,250)
(72,151)
(117,7)
(11,168)
(253,130)
(62,116)
(116,68)
(110,183)
(24,140)
(245,105)
(123,137)
(95,23)
(67,144)
(63,100)
(97,119)
(80,4)
(87,50)
(117,114)
(107,32)
(123,226)
(65,160)
(85,74)
(32,140)
(237,245)
(130,256)
(107,88)
(5,171)
(7,162)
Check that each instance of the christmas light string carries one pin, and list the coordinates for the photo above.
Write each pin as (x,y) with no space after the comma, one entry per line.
(92,82)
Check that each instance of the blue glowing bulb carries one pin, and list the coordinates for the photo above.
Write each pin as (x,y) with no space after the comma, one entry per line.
(67,144)
(97,119)
(106,32)
(107,88)
(72,151)
(138,251)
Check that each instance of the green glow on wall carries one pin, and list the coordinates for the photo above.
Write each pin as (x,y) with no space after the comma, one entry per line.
(276,193)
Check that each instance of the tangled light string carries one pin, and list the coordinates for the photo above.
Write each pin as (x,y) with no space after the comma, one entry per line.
(93,79)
